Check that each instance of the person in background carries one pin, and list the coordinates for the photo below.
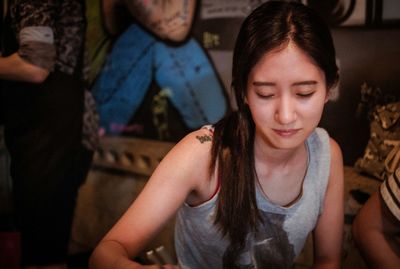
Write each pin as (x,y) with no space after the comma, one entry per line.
(249,190)
(376,227)
(42,105)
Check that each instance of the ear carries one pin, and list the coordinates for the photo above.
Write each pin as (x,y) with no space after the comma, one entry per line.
(333,92)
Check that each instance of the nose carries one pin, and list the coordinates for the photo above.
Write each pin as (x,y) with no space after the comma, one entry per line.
(285,112)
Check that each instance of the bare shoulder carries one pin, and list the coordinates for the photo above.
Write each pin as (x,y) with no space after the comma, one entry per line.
(197,143)
(204,135)
(190,158)
(336,152)
(336,167)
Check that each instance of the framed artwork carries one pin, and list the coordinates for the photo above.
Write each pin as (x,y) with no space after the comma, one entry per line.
(350,13)
(390,12)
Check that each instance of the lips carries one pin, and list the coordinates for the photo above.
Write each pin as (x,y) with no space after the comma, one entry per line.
(286,132)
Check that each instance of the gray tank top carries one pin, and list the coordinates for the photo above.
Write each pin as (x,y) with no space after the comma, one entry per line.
(282,234)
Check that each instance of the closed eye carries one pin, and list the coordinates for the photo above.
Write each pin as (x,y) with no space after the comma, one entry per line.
(265,96)
(305,95)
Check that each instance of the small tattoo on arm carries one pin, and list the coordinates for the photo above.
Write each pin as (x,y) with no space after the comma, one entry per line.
(204,138)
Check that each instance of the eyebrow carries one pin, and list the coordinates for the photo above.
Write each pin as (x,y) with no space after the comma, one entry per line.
(263,83)
(307,82)
(300,83)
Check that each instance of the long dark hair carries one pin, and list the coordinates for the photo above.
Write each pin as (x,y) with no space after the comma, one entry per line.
(272,25)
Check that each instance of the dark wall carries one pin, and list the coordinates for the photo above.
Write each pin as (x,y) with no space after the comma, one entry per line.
(370,55)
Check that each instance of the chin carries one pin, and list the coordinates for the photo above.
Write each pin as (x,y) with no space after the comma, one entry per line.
(288,142)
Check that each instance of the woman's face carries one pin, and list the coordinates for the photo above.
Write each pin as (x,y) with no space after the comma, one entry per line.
(286,93)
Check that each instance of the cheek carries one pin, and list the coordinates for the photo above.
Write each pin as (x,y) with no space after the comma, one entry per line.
(261,113)
(314,110)
(255,110)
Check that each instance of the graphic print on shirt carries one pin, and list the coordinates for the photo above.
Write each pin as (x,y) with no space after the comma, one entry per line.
(270,246)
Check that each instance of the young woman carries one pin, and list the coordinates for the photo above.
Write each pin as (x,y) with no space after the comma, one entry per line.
(248,190)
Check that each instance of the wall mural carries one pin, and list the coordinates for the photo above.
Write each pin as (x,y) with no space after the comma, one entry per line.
(142,56)
(183,72)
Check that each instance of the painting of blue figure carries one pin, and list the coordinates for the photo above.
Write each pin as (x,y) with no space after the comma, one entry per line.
(137,58)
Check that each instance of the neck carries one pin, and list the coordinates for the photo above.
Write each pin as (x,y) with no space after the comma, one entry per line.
(277,158)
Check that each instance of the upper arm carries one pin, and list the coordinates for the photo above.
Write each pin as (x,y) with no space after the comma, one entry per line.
(167,19)
(375,231)
(329,229)
(36,53)
(37,29)
(173,180)
(375,217)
